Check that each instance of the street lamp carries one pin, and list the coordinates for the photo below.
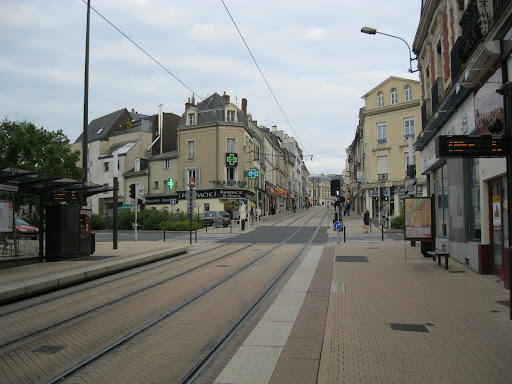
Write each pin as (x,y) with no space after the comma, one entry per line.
(373,31)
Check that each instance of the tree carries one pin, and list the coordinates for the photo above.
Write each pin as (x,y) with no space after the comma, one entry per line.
(25,146)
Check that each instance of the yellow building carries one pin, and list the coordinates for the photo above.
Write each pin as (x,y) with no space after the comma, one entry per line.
(390,116)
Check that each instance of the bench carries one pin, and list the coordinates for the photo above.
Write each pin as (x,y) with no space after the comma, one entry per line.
(440,254)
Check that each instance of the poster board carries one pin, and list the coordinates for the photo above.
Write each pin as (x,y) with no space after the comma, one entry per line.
(418,221)
(6,212)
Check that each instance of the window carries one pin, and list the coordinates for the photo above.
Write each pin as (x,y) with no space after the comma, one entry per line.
(407,163)
(408,127)
(231,145)
(381,134)
(155,186)
(106,166)
(256,152)
(186,174)
(231,174)
(408,93)
(475,224)
(167,163)
(382,167)
(380,99)
(191,118)
(394,96)
(191,150)
(230,115)
(441,188)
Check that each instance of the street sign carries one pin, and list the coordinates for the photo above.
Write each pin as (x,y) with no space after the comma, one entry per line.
(338,226)
(241,202)
(141,190)
(173,201)
(191,204)
(192,183)
(189,192)
(410,186)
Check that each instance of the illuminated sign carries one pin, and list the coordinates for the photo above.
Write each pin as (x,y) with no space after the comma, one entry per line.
(472,146)
(64,196)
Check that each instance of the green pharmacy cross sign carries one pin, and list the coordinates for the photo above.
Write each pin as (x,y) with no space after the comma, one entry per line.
(253,173)
(170,183)
(232,158)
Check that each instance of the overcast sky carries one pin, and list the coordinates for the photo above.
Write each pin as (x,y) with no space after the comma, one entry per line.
(312,53)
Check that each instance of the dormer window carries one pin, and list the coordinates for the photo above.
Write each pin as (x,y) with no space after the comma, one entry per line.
(230,115)
(380,99)
(394,96)
(191,119)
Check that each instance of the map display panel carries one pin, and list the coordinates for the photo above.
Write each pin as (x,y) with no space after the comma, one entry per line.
(418,218)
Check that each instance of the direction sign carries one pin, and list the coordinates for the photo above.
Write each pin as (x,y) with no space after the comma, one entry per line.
(173,201)
(241,202)
(338,226)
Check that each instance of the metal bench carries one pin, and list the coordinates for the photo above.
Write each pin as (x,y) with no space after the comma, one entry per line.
(440,254)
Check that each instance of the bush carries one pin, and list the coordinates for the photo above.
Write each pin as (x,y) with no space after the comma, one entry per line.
(183,225)
(98,222)
(398,222)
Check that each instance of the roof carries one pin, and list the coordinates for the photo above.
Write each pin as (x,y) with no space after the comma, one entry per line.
(40,184)
(211,110)
(122,148)
(388,80)
(99,128)
(164,156)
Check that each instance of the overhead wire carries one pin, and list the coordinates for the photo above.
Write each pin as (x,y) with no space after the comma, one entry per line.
(144,51)
(262,75)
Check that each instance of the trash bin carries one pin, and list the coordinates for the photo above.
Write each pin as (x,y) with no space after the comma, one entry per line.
(243,225)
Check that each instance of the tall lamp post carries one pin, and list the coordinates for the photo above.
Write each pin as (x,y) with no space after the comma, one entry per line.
(373,31)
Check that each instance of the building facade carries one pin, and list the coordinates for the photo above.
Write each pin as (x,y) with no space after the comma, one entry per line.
(463,50)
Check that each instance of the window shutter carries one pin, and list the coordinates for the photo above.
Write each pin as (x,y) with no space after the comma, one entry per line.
(198,179)
(184,184)
(382,164)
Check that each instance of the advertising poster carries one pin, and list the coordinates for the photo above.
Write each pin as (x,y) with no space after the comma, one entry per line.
(6,211)
(418,218)
(496,211)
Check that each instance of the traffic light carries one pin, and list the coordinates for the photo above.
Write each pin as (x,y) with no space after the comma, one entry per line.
(132,191)
(333,187)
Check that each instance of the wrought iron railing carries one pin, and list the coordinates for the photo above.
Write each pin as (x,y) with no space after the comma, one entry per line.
(456,61)
(426,113)
(437,94)
(381,141)
(475,25)
(498,7)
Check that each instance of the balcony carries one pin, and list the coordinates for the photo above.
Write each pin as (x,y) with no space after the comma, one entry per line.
(383,176)
(455,61)
(475,25)
(498,7)
(426,113)
(382,141)
(437,94)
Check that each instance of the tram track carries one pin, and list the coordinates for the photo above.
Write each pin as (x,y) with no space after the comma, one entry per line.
(205,362)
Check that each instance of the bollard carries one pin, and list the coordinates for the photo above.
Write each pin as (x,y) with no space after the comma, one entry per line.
(195,233)
(382,232)
(164,234)
(344,234)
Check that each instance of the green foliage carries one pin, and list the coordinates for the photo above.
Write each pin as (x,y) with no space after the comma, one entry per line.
(183,225)
(149,219)
(98,222)
(27,147)
(398,222)
(125,220)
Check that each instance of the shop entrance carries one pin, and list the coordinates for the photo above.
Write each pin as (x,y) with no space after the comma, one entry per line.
(498,228)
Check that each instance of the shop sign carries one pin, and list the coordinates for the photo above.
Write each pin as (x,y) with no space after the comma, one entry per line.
(231,159)
(229,183)
(159,199)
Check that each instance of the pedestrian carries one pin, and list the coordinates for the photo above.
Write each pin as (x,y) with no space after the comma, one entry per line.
(258,214)
(252,215)
(348,208)
(366,221)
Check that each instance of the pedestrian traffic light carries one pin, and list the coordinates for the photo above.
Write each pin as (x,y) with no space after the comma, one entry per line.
(132,191)
(333,188)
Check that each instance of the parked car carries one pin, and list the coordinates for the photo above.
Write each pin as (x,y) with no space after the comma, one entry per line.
(215,218)
(26,231)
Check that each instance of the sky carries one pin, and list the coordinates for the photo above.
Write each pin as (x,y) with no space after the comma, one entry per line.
(312,54)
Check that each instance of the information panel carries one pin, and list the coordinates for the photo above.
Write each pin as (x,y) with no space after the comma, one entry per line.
(418,218)
(473,146)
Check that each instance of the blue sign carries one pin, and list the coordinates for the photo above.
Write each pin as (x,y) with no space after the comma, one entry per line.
(173,201)
(338,226)
(241,202)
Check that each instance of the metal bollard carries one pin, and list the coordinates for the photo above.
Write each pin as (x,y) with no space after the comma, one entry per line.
(164,234)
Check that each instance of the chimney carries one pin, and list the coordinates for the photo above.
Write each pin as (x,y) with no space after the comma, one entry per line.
(274,128)
(244,106)
(187,104)
(133,110)
(226,97)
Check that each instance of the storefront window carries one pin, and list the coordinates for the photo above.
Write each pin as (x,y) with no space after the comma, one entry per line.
(475,224)
(441,189)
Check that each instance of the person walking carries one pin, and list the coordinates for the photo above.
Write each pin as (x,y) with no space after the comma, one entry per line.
(252,215)
(366,221)
(348,208)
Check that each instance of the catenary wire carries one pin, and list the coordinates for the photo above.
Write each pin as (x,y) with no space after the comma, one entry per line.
(263,76)
(146,53)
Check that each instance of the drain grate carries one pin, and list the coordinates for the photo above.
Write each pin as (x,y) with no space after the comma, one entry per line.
(49,349)
(408,327)
(351,259)
(457,271)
